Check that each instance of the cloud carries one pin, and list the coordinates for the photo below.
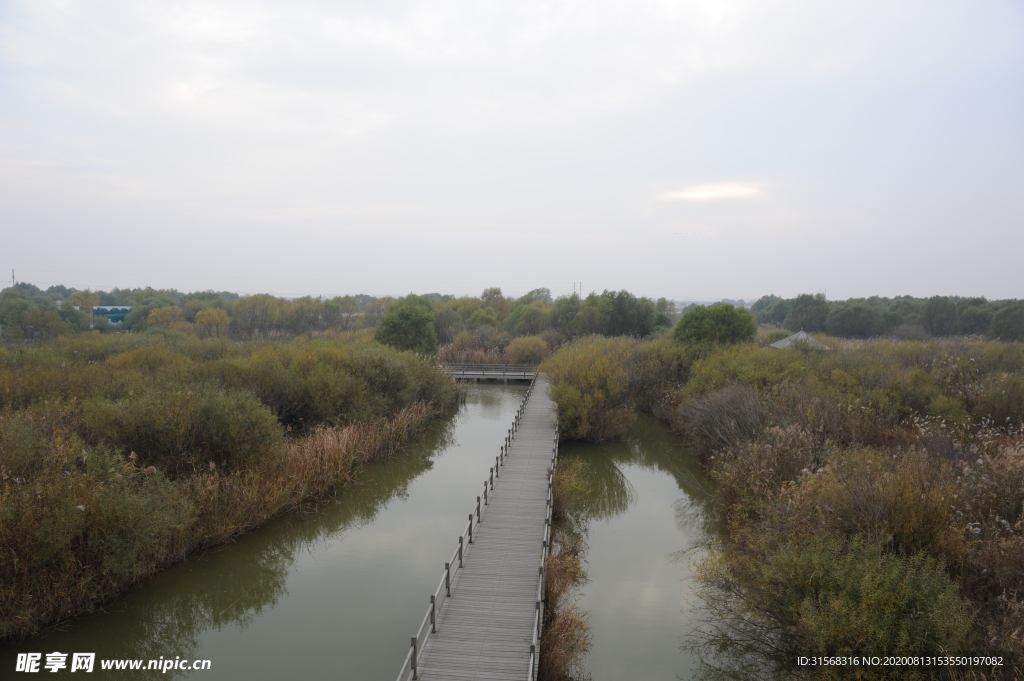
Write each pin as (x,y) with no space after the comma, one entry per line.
(715,192)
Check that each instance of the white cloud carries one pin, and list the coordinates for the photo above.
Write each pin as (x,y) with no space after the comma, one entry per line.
(715,192)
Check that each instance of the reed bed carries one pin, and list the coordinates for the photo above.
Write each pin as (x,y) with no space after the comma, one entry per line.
(68,557)
(121,456)
(566,639)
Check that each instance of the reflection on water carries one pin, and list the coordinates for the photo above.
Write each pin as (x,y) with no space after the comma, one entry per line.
(650,514)
(330,593)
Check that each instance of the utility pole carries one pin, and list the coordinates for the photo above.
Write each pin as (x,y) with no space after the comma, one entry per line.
(12,277)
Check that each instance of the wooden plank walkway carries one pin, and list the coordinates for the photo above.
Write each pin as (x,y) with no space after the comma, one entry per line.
(486,628)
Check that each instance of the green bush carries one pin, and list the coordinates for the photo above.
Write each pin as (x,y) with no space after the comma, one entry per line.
(527,350)
(829,597)
(178,429)
(409,325)
(719,323)
(600,383)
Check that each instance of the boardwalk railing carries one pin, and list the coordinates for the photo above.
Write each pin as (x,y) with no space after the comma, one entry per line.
(453,567)
(538,618)
(506,371)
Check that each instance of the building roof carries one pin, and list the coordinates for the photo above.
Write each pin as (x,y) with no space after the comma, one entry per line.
(803,337)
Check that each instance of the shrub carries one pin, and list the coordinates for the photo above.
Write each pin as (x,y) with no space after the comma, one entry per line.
(121,454)
(179,429)
(831,597)
(527,350)
(719,323)
(722,418)
(599,383)
(408,325)
(1002,402)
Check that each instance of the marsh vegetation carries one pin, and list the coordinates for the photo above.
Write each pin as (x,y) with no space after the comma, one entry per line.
(123,454)
(872,495)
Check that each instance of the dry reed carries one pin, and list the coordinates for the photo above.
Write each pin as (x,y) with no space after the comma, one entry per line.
(566,639)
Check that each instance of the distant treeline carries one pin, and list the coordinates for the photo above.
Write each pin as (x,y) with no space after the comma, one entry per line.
(488,322)
(903,317)
(483,328)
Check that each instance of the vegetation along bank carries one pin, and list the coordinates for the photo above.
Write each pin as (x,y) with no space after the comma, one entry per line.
(121,454)
(872,494)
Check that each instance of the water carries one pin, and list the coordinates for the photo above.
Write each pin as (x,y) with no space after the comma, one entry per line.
(334,594)
(649,518)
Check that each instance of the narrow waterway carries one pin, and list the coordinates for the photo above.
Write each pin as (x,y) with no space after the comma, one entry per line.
(332,594)
(649,517)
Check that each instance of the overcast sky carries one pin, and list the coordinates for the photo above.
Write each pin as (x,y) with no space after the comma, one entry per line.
(688,149)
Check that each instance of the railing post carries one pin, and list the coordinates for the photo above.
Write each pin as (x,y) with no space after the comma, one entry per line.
(485,492)
(414,674)
(460,551)
(497,467)
(433,624)
(470,528)
(478,518)
(448,577)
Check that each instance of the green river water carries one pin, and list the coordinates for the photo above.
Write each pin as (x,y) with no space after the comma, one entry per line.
(336,593)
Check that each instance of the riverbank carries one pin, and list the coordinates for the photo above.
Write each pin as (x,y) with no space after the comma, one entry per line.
(883,480)
(121,456)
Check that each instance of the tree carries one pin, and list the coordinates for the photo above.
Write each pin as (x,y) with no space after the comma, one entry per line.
(718,323)
(408,325)
(632,316)
(447,324)
(213,321)
(807,312)
(764,302)
(1008,323)
(255,316)
(342,312)
(854,320)
(565,311)
(165,317)
(976,320)
(770,309)
(940,316)
(527,319)
(375,310)
(492,298)
(537,295)
(84,300)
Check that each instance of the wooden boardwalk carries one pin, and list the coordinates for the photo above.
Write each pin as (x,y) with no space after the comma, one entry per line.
(489,627)
(491,372)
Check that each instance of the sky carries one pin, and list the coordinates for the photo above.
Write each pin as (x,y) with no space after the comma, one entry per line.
(692,149)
